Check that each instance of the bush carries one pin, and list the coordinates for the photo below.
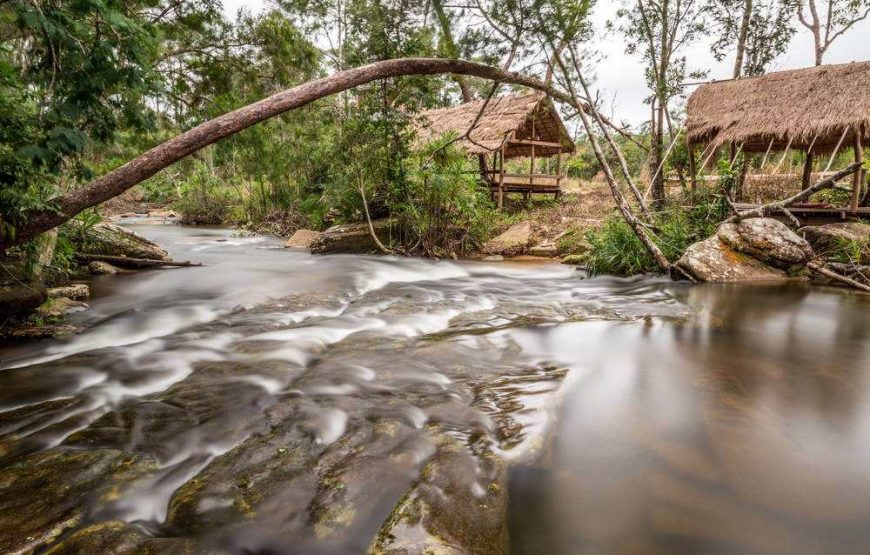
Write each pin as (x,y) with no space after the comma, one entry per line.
(444,207)
(615,249)
(203,199)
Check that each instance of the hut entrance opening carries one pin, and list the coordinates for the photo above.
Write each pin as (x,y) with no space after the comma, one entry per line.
(521,137)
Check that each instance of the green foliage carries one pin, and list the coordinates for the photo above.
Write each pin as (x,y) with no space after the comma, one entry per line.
(204,200)
(443,206)
(615,249)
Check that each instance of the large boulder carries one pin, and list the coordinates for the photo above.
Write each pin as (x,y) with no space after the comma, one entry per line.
(829,240)
(512,242)
(110,239)
(18,299)
(713,260)
(351,238)
(766,240)
(302,239)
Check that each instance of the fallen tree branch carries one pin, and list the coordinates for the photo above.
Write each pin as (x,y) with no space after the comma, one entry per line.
(823,270)
(782,205)
(138,263)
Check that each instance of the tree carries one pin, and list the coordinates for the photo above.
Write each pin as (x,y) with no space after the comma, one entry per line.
(758,30)
(71,75)
(659,30)
(830,22)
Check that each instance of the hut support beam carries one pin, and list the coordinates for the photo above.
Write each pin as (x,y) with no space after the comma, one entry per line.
(858,178)
(693,170)
(501,177)
(808,170)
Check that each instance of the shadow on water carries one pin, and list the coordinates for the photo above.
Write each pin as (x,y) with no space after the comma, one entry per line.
(275,402)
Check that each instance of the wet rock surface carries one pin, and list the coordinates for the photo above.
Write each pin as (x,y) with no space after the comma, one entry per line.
(302,239)
(767,240)
(829,239)
(511,242)
(713,260)
(351,238)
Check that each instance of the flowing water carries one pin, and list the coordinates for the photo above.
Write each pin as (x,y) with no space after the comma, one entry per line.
(276,402)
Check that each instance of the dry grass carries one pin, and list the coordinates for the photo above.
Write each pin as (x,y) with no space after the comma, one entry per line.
(583,206)
(805,105)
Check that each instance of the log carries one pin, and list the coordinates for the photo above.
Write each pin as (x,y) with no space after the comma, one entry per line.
(821,269)
(136,263)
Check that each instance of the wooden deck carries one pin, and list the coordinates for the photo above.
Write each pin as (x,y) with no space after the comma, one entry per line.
(810,214)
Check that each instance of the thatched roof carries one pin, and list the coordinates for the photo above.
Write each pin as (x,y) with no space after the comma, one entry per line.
(505,117)
(800,105)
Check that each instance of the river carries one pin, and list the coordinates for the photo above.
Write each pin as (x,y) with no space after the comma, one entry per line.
(276,402)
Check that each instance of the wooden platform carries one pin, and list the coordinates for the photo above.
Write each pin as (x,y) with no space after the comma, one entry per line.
(809,214)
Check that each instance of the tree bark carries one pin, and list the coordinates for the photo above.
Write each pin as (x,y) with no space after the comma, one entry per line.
(741,38)
(139,169)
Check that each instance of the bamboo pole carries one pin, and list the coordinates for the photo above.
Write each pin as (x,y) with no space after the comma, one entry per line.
(693,170)
(858,178)
(836,149)
(808,170)
(501,178)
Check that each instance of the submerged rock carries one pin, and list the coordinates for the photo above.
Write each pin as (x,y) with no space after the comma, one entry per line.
(830,239)
(512,242)
(713,260)
(100,268)
(303,238)
(59,306)
(351,238)
(766,240)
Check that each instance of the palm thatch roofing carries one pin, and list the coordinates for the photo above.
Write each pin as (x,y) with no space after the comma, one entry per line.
(811,106)
(505,118)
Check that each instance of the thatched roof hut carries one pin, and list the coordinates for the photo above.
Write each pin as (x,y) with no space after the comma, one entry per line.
(507,120)
(803,107)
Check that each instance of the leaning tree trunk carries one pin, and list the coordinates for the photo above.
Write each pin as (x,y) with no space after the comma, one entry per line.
(119,180)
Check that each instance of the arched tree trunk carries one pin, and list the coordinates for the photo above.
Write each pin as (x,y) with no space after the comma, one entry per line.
(119,180)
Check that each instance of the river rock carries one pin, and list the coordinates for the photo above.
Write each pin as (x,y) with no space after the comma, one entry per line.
(59,306)
(512,242)
(303,238)
(20,298)
(114,240)
(100,268)
(766,240)
(76,292)
(545,249)
(351,238)
(713,260)
(827,239)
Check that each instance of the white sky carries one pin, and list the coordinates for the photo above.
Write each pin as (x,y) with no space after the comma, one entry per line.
(620,78)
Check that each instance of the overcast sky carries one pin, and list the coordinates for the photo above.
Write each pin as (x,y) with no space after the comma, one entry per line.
(620,77)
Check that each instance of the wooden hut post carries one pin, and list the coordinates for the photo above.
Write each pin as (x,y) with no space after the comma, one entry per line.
(558,174)
(693,170)
(808,170)
(501,176)
(858,177)
(532,164)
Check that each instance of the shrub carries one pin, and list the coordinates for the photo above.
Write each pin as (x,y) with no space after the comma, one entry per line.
(444,207)
(203,199)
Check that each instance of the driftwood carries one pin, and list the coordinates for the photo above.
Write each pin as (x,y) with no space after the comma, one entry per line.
(823,270)
(782,205)
(136,263)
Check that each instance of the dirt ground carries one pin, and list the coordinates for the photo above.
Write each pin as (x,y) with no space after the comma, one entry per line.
(583,206)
